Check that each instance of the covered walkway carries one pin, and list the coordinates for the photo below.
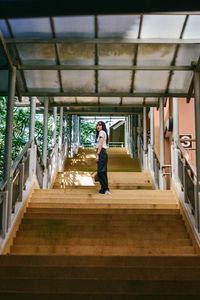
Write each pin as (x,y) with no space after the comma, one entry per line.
(129,65)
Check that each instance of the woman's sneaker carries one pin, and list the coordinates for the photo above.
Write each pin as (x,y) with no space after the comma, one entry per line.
(107,192)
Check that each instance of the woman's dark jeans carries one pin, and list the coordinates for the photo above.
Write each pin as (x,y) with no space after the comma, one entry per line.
(102,170)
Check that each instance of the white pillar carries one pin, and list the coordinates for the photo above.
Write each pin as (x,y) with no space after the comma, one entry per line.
(145,158)
(174,151)
(60,141)
(44,149)
(54,126)
(152,138)
(162,146)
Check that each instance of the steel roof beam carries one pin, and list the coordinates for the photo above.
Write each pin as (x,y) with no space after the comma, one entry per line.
(97,67)
(60,40)
(102,94)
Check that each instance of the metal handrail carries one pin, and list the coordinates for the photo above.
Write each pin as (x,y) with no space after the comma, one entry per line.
(19,158)
(187,159)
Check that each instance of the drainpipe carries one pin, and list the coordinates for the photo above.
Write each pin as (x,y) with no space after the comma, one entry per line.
(8,144)
(197,134)
(162,146)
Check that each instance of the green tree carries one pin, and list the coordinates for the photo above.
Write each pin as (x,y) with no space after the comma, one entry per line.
(88,131)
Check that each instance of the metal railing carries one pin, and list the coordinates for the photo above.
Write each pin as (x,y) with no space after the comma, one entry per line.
(30,158)
(187,177)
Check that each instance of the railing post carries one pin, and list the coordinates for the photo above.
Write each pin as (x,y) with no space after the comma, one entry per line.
(197,134)
(162,149)
(5,214)
(21,181)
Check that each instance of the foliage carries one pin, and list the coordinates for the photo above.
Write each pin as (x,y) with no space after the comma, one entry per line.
(21,131)
(88,131)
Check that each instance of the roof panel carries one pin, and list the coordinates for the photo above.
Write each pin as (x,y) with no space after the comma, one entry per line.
(187,54)
(4,29)
(114,81)
(155,54)
(33,27)
(88,100)
(151,81)
(162,26)
(42,80)
(82,81)
(76,54)
(110,100)
(3,60)
(81,26)
(192,30)
(37,54)
(64,100)
(4,81)
(180,81)
(116,54)
(119,26)
(134,101)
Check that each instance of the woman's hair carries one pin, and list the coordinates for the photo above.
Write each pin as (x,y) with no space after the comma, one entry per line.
(104,129)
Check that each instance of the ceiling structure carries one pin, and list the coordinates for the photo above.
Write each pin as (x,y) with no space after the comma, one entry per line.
(102,63)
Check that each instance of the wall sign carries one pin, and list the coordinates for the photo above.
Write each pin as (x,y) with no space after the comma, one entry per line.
(186,144)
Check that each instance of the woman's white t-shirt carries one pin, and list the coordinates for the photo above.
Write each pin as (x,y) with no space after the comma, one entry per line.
(103,135)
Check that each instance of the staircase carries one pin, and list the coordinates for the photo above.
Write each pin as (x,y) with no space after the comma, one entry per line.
(74,243)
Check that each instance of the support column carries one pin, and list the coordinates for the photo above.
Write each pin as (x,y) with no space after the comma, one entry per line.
(70,135)
(32,163)
(145,139)
(140,154)
(174,151)
(135,135)
(9,125)
(32,118)
(197,133)
(54,126)
(44,148)
(8,145)
(60,140)
(162,146)
(152,139)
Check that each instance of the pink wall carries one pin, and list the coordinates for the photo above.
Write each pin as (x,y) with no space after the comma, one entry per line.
(186,126)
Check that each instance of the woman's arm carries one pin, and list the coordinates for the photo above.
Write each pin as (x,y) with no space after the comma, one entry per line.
(99,148)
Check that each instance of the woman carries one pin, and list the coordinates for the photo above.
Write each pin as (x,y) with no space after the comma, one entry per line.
(101,141)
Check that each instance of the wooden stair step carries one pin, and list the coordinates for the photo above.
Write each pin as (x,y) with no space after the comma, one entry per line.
(100,273)
(105,241)
(144,262)
(59,213)
(110,206)
(109,222)
(101,234)
(105,212)
(103,227)
(103,250)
